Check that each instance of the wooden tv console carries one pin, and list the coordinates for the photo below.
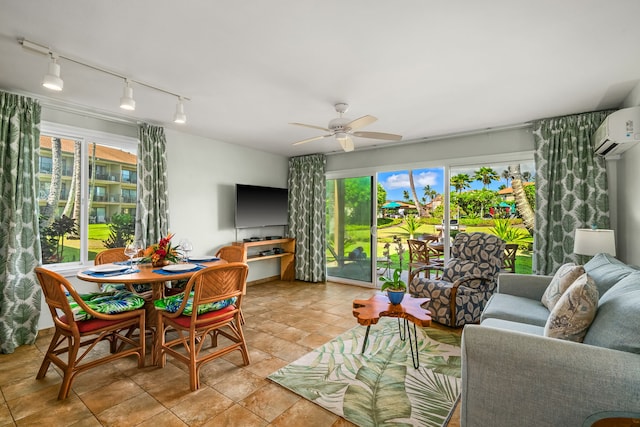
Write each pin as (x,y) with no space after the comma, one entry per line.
(287,261)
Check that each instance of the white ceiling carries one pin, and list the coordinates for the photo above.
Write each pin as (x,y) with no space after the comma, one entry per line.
(423,68)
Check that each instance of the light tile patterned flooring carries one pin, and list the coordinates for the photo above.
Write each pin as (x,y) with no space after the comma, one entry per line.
(283,322)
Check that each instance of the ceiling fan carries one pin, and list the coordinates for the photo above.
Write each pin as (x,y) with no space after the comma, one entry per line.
(343,129)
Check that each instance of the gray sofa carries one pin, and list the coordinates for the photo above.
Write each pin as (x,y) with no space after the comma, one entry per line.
(513,375)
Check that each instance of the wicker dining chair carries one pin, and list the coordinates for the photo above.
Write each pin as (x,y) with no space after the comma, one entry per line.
(112,255)
(70,334)
(231,253)
(219,288)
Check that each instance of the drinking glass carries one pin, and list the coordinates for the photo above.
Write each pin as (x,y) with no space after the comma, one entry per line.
(187,247)
(131,250)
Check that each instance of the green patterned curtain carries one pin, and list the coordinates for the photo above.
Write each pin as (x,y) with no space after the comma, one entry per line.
(307,199)
(19,234)
(152,213)
(571,186)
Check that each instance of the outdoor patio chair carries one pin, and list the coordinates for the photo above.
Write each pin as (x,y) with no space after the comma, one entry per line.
(468,280)
(509,261)
(423,257)
(358,256)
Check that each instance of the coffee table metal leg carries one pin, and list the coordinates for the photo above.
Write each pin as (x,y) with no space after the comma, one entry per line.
(403,334)
(415,357)
(366,337)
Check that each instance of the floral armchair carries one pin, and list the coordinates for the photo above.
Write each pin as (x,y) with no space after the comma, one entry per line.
(468,280)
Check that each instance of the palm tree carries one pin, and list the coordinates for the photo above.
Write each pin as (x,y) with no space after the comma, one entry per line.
(48,211)
(419,207)
(429,192)
(460,182)
(524,208)
(486,175)
(507,176)
(526,175)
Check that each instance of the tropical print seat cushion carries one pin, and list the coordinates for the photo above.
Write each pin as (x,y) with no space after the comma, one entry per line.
(106,303)
(138,287)
(172,304)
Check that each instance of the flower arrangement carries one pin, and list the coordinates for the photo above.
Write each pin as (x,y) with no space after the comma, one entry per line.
(162,252)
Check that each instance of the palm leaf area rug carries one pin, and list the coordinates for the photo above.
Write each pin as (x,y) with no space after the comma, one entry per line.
(380,387)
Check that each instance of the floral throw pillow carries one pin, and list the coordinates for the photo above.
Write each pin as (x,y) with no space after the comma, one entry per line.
(106,303)
(564,277)
(173,302)
(575,310)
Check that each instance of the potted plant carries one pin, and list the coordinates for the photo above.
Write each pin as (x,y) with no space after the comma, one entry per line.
(395,287)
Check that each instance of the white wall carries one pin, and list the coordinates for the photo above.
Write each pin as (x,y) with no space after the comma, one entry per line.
(202,174)
(471,148)
(628,227)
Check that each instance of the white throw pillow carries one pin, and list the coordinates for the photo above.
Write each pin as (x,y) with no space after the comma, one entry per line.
(564,277)
(574,311)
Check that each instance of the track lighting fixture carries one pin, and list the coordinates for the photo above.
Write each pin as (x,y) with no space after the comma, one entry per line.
(52,79)
(126,101)
(179,116)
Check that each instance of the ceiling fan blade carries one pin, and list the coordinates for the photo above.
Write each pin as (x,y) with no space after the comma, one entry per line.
(346,143)
(311,126)
(362,121)
(315,138)
(378,135)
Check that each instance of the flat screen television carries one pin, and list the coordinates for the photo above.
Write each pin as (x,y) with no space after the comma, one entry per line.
(258,206)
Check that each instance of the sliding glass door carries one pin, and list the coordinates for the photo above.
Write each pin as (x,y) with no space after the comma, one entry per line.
(349,222)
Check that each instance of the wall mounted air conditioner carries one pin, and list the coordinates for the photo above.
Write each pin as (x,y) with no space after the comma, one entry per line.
(618,132)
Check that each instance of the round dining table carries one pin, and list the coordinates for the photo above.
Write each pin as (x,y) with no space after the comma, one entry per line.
(146,273)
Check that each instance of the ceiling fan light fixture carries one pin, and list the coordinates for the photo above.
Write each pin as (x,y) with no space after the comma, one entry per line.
(126,101)
(341,136)
(180,117)
(52,79)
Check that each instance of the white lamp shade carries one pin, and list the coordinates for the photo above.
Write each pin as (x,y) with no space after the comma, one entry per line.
(591,242)
(52,79)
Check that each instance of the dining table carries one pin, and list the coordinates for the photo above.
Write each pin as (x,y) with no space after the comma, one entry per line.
(157,277)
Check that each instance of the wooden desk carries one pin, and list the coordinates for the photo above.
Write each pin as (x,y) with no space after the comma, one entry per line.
(369,311)
(157,282)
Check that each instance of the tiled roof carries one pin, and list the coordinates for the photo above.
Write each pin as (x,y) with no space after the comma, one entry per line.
(103,152)
(509,190)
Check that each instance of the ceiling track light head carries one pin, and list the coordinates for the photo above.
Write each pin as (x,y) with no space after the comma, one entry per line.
(180,117)
(126,101)
(52,79)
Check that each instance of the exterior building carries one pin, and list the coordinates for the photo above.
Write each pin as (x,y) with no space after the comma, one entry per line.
(113,179)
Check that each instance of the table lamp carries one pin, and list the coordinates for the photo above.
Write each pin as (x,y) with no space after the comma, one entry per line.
(592,241)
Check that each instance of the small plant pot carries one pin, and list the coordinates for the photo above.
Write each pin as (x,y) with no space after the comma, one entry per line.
(395,297)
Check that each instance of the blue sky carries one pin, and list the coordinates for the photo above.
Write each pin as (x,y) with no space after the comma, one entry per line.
(397,181)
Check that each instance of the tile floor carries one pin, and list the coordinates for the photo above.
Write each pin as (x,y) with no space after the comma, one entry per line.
(283,322)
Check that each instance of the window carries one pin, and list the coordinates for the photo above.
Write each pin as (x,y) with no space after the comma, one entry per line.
(81,212)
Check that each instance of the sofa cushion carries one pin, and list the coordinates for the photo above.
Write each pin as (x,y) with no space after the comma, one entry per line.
(606,271)
(628,284)
(574,312)
(514,326)
(616,323)
(564,277)
(515,309)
